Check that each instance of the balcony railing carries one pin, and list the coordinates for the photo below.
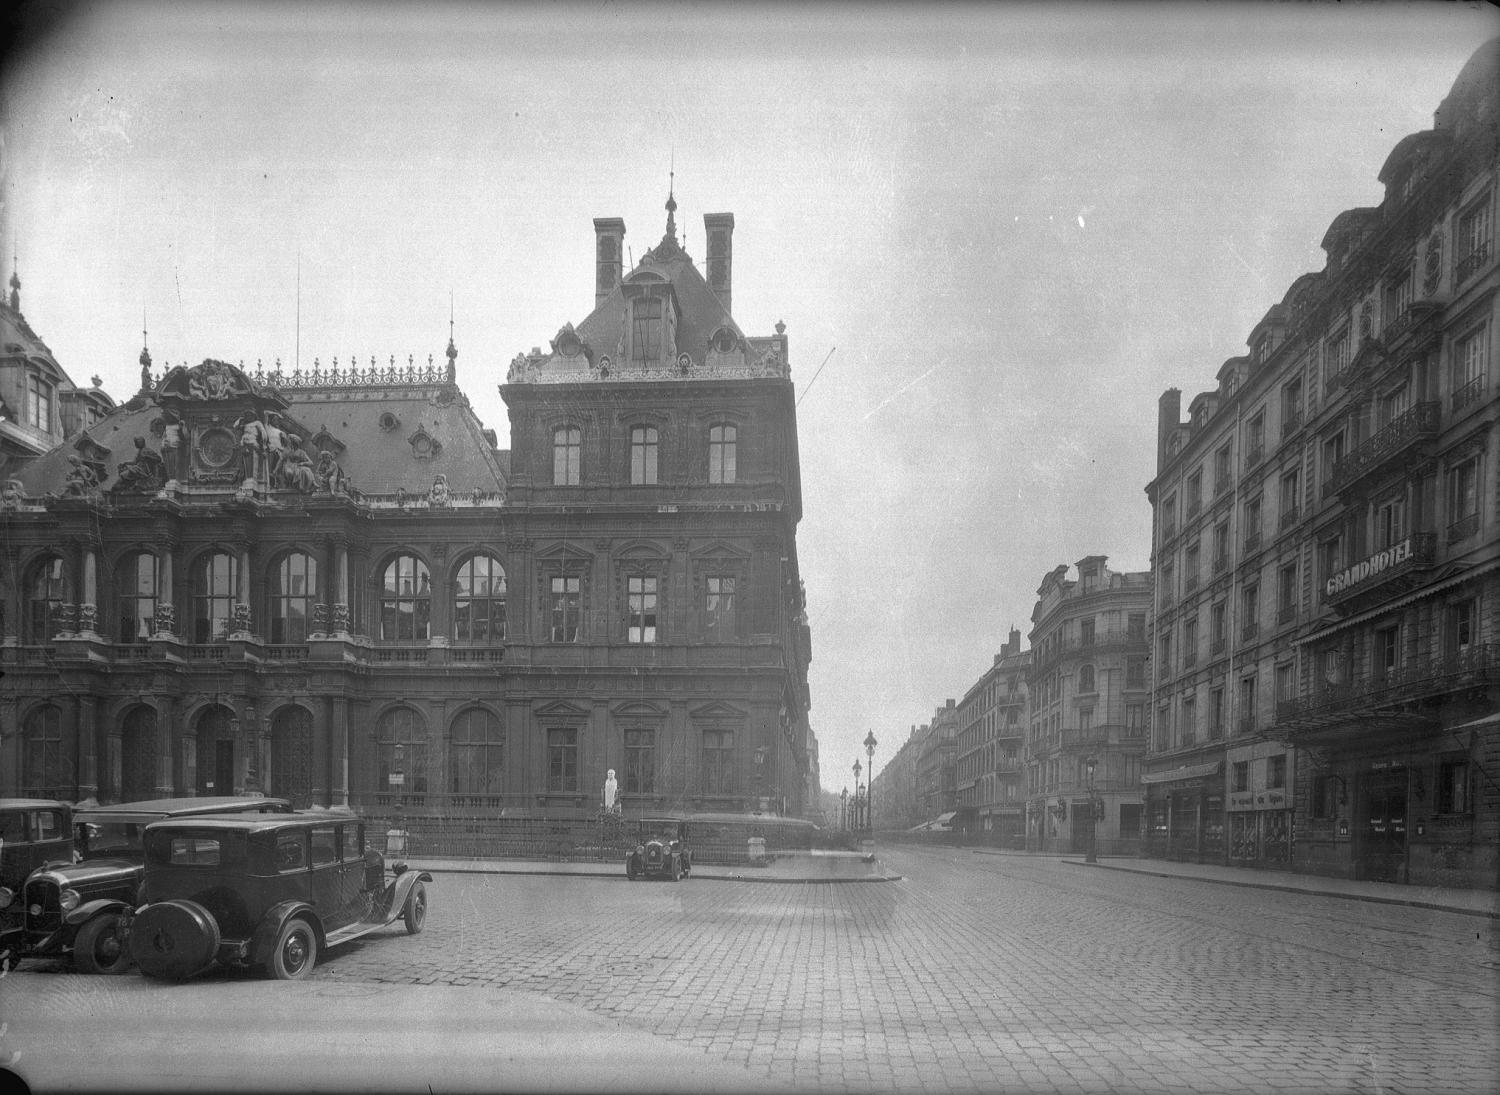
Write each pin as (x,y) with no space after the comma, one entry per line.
(1216,645)
(1469,394)
(1222,484)
(1194,506)
(1418,424)
(1398,325)
(1190,583)
(1291,423)
(1250,631)
(1093,735)
(1289,517)
(1469,265)
(1221,563)
(1215,731)
(1415,553)
(1189,658)
(1286,614)
(1246,724)
(1254,456)
(1463,528)
(1419,680)
(1252,541)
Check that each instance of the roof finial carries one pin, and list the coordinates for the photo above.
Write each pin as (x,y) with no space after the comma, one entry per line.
(452,349)
(15,282)
(145,358)
(671,201)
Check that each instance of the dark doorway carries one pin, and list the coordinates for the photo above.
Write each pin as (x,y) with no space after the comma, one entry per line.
(223,767)
(1382,856)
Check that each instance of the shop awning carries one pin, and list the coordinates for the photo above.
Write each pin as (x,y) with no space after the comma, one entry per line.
(937,824)
(1189,771)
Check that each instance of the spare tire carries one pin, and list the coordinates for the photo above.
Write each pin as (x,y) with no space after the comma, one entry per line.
(174,939)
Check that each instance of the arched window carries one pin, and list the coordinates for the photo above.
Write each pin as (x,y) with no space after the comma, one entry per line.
(47,590)
(721,453)
(1086,678)
(294,585)
(401,753)
(645,443)
(476,757)
(216,583)
(567,452)
(46,758)
(136,586)
(406,603)
(479,601)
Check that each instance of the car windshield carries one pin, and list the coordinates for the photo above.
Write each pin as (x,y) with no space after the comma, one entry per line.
(101,838)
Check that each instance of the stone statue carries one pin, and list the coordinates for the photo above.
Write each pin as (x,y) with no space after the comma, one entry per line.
(173,445)
(438,497)
(147,472)
(296,466)
(611,799)
(81,481)
(327,473)
(11,495)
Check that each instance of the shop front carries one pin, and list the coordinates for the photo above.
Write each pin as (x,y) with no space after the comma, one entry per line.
(1260,805)
(1184,816)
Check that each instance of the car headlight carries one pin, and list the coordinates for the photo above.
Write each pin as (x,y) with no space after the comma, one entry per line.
(69,900)
(7,895)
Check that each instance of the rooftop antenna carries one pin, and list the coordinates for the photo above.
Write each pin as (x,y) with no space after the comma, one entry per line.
(297,350)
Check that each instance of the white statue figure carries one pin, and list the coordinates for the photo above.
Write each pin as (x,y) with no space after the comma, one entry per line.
(610,787)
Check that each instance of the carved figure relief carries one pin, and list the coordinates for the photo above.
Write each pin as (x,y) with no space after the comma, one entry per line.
(146,473)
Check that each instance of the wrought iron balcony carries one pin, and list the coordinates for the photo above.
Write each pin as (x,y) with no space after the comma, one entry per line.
(1286,614)
(1289,517)
(1216,645)
(1389,570)
(1406,689)
(1416,425)
(1222,483)
(1190,583)
(1252,542)
(1469,265)
(1250,631)
(1254,456)
(1463,528)
(1469,394)
(1221,563)
(1291,423)
(1194,506)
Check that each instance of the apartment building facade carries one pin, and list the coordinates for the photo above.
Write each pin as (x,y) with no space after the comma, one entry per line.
(989,750)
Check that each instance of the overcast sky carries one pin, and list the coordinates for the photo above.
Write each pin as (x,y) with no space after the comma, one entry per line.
(1011,226)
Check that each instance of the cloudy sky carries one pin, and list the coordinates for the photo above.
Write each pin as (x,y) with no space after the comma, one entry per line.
(1010,226)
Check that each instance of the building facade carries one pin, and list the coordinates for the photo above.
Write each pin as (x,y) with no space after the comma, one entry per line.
(991,737)
(1327,547)
(1089,709)
(334,585)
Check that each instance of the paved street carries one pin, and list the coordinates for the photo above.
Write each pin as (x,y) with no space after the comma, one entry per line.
(981,973)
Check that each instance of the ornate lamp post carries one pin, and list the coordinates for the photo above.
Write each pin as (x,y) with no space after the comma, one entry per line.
(870,744)
(1090,856)
(857,770)
(844,808)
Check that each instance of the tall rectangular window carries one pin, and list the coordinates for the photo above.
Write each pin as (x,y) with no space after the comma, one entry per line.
(718,762)
(1135,671)
(1463,500)
(1215,713)
(1240,776)
(1390,523)
(1453,785)
(1135,627)
(567,451)
(1333,452)
(1249,719)
(1189,727)
(1398,296)
(719,608)
(1218,627)
(1469,367)
(1472,247)
(562,760)
(1286,592)
(1255,438)
(641,594)
(1194,492)
(1291,496)
(1291,406)
(565,608)
(1276,771)
(38,402)
(1460,627)
(645,342)
(1336,354)
(1286,682)
(1250,608)
(722,441)
(1223,470)
(1386,652)
(645,443)
(640,762)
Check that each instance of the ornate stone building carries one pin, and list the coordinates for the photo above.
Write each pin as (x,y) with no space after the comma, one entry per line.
(1088,691)
(334,585)
(1327,547)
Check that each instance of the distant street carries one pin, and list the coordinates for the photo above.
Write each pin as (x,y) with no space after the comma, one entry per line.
(979,973)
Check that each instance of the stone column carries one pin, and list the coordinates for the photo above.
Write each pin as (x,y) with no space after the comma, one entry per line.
(87,725)
(165,721)
(10,746)
(337,769)
(110,791)
(88,602)
(243,622)
(166,604)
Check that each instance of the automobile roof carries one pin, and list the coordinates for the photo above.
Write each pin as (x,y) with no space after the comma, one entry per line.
(254,822)
(186,807)
(29,803)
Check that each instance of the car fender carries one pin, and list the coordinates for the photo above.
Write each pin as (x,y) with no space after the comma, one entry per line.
(397,892)
(263,942)
(87,911)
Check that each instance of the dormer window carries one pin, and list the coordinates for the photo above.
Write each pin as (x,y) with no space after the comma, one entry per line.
(38,402)
(645,340)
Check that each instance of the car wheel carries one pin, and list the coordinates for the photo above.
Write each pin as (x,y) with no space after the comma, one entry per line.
(296,952)
(174,939)
(415,913)
(98,947)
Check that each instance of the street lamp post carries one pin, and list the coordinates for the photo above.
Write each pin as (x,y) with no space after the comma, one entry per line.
(857,770)
(870,744)
(1090,856)
(844,808)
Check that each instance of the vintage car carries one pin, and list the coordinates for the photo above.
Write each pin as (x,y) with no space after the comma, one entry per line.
(267,892)
(34,832)
(76,907)
(660,851)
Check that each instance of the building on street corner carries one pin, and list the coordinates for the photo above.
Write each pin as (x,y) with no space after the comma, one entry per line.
(332,584)
(1326,546)
(1089,715)
(991,736)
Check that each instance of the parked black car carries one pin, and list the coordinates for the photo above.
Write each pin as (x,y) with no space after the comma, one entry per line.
(34,832)
(267,892)
(75,907)
(661,850)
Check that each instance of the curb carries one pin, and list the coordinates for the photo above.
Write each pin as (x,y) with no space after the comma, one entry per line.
(1248,884)
(618,877)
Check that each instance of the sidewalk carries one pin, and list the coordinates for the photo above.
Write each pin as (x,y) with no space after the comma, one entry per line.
(1445,899)
(787,867)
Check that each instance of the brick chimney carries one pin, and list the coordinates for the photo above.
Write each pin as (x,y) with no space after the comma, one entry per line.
(609,256)
(718,229)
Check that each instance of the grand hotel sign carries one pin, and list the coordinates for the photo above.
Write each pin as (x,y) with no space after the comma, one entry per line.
(1400,558)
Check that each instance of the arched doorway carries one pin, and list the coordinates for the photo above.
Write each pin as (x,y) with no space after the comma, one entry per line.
(217,730)
(291,756)
(138,755)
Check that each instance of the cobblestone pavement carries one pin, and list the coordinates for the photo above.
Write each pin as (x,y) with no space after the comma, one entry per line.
(988,973)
